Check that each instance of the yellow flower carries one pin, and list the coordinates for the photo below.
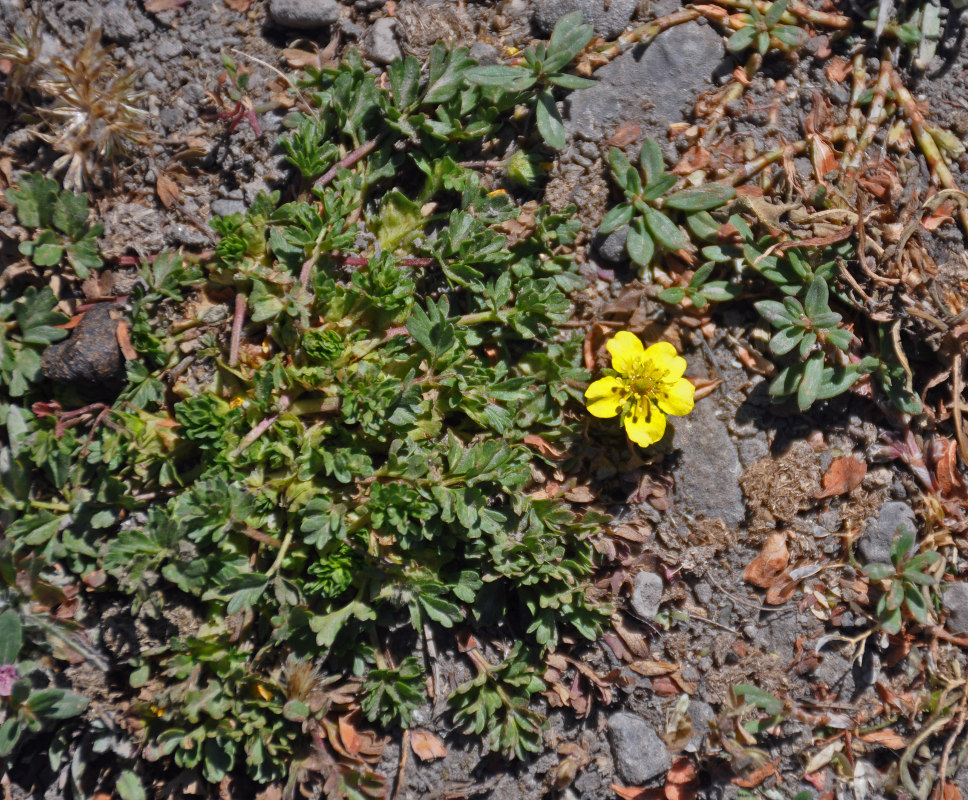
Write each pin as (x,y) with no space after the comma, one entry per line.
(647,385)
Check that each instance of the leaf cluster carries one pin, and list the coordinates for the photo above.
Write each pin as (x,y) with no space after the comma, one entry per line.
(763,31)
(904,583)
(61,223)
(650,206)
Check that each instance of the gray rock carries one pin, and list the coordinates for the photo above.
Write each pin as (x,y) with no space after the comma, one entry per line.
(608,17)
(304,15)
(640,755)
(708,472)
(168,48)
(646,595)
(223,207)
(955,599)
(700,714)
(660,81)
(484,53)
(187,235)
(835,671)
(382,45)
(875,542)
(117,24)
(612,247)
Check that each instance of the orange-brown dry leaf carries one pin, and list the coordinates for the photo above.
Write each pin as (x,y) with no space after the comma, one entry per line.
(939,216)
(543,446)
(946,469)
(580,494)
(349,736)
(843,475)
(682,771)
(238,5)
(781,591)
(426,746)
(124,342)
(154,6)
(757,776)
(885,738)
(626,133)
(637,793)
(770,563)
(664,686)
(837,69)
(167,190)
(652,669)
(704,386)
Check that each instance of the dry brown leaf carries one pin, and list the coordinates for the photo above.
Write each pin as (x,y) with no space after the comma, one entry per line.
(782,590)
(843,475)
(154,6)
(425,745)
(167,190)
(770,563)
(885,738)
(634,533)
(756,776)
(626,133)
(580,494)
(837,69)
(682,771)
(238,5)
(544,447)
(705,386)
(349,736)
(664,686)
(946,468)
(124,342)
(637,793)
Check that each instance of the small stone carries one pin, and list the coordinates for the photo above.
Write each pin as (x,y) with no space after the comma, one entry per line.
(607,17)
(700,714)
(381,45)
(707,477)
(612,246)
(484,53)
(955,599)
(648,87)
(117,24)
(223,207)
(304,15)
(90,358)
(874,545)
(187,235)
(646,595)
(640,755)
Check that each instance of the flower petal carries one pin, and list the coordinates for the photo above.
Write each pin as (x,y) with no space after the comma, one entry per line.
(676,398)
(626,348)
(605,397)
(645,424)
(665,362)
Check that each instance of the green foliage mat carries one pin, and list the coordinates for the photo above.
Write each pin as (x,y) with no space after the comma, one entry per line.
(345,473)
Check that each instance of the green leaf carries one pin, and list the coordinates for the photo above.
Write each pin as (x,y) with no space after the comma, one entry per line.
(568,39)
(404,79)
(639,244)
(655,189)
(702,198)
(56,704)
(245,591)
(809,386)
(446,71)
(566,81)
(878,571)
(785,340)
(815,303)
(840,338)
(651,161)
(914,602)
(550,125)
(327,626)
(11,636)
(664,230)
(129,786)
(672,296)
(774,12)
(762,42)
(792,36)
(513,79)
(703,226)
(9,736)
(615,218)
(34,200)
(759,698)
(740,40)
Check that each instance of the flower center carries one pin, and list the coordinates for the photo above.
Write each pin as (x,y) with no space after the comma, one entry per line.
(643,384)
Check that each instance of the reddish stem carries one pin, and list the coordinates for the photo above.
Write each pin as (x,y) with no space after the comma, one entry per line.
(346,162)
(237,322)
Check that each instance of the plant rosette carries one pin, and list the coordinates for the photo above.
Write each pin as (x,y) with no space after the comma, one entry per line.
(642,388)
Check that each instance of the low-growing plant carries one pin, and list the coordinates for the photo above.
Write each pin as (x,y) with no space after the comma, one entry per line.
(61,223)
(542,71)
(904,584)
(762,31)
(25,709)
(650,207)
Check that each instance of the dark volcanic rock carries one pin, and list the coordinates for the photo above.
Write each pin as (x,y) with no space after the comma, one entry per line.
(875,542)
(90,357)
(640,754)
